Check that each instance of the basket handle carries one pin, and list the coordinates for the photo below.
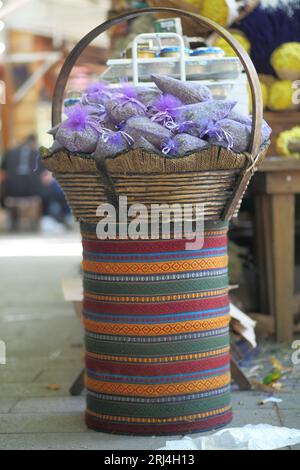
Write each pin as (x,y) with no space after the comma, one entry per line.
(257,108)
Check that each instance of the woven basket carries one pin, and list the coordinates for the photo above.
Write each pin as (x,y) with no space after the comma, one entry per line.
(215,176)
(211,177)
(156,315)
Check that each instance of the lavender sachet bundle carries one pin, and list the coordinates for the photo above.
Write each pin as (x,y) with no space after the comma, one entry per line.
(187,93)
(175,118)
(80,131)
(182,144)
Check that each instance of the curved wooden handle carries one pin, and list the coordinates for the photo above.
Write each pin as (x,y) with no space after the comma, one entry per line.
(257,107)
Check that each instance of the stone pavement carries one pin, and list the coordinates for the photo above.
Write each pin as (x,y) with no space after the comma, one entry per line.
(44,351)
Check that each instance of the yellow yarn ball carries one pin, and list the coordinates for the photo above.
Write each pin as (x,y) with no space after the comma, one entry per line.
(283,140)
(229,52)
(216,10)
(285,60)
(281,95)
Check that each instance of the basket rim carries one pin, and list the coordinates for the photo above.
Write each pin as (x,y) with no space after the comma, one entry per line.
(47,154)
(77,159)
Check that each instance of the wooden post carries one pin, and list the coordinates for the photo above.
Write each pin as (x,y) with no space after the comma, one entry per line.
(283,253)
(275,222)
(7,109)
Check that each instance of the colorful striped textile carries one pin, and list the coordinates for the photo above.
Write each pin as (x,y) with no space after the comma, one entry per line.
(157,342)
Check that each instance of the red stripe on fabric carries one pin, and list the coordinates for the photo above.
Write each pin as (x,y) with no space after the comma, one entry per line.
(148,246)
(144,429)
(178,367)
(157,308)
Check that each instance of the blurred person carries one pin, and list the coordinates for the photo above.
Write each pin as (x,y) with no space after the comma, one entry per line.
(56,212)
(21,170)
(23,175)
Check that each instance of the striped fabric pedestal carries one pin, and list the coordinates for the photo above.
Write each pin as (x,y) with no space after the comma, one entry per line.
(157,340)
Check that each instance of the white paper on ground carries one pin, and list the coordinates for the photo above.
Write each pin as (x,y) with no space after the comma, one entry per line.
(249,437)
(271,400)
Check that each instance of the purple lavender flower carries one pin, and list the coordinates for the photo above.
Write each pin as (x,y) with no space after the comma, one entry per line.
(212,110)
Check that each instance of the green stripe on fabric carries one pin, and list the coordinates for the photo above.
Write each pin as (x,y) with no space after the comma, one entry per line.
(158,287)
(118,348)
(164,410)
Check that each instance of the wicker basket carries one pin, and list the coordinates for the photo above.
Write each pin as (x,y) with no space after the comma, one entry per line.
(211,177)
(156,315)
(215,176)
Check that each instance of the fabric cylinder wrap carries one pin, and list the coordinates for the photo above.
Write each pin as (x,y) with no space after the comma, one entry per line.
(157,334)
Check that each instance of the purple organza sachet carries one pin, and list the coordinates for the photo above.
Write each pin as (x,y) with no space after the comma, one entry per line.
(174,118)
(164,110)
(187,93)
(214,110)
(229,134)
(182,144)
(152,131)
(80,131)
(98,93)
(111,144)
(143,143)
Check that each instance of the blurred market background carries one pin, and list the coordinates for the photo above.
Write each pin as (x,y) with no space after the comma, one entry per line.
(37,35)
(40,248)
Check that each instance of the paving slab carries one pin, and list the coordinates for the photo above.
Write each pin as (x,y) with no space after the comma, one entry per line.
(50,405)
(11,423)
(254,416)
(290,418)
(19,390)
(251,400)
(80,441)
(7,404)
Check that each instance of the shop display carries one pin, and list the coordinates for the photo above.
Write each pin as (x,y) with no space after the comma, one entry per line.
(285,139)
(173,52)
(228,51)
(280,96)
(208,52)
(285,61)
